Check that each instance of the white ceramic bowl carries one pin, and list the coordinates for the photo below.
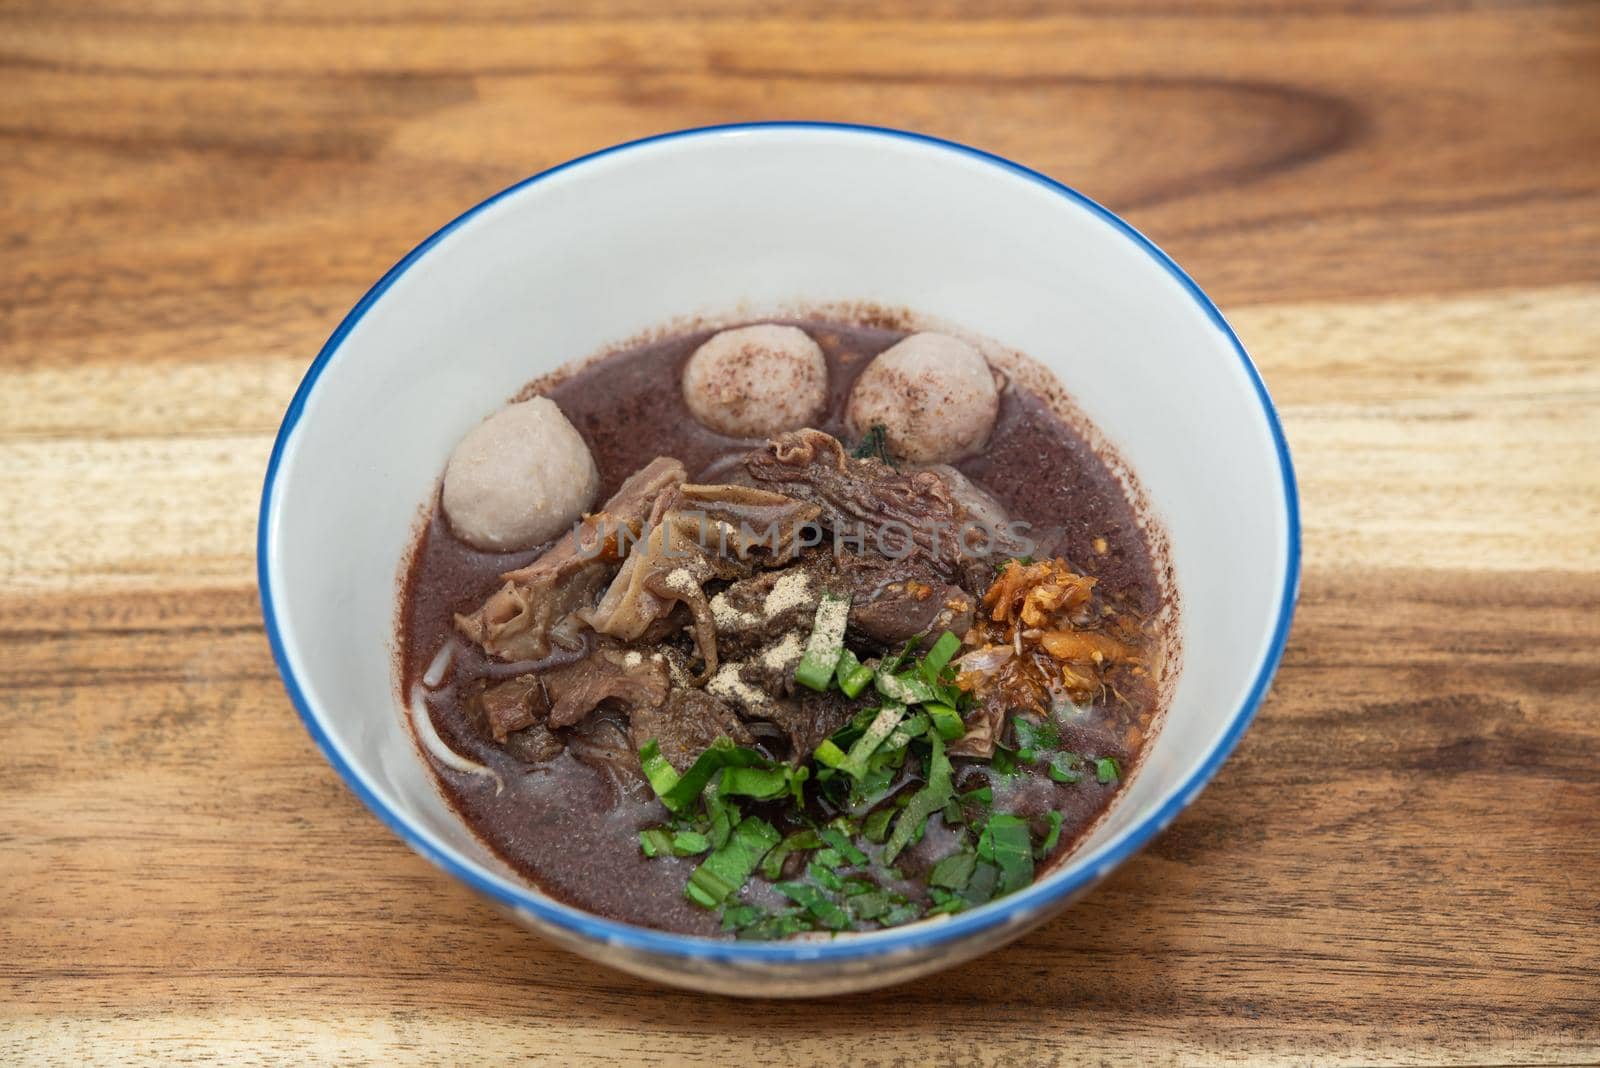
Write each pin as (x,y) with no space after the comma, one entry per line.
(736,220)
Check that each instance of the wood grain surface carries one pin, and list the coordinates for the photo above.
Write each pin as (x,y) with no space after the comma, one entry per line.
(1397,204)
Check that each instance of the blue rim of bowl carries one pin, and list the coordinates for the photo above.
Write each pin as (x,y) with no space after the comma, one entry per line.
(1072,878)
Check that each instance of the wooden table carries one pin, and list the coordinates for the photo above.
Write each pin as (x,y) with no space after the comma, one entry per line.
(1399,207)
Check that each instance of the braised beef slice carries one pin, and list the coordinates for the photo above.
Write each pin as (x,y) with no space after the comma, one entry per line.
(517,621)
(893,603)
(910,516)
(630,678)
(537,744)
(685,725)
(510,706)
(696,534)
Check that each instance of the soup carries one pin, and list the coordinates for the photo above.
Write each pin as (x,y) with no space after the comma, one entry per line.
(796,627)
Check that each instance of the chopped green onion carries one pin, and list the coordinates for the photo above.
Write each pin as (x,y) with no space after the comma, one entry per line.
(763,784)
(725,870)
(662,775)
(983,795)
(1035,735)
(1062,767)
(855,764)
(679,792)
(830,755)
(724,816)
(876,827)
(875,445)
(1005,841)
(799,841)
(889,664)
(981,887)
(655,842)
(1106,770)
(906,688)
(945,902)
(851,674)
(781,925)
(740,916)
(836,838)
(1051,837)
(939,656)
(1027,755)
(901,914)
(826,644)
(930,799)
(824,875)
(870,905)
(1003,762)
(953,871)
(690,843)
(815,902)
(945,720)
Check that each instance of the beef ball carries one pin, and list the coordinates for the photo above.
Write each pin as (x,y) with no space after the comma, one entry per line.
(756,381)
(934,396)
(519,478)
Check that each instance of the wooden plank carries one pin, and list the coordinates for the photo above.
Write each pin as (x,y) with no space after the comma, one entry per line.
(1375,875)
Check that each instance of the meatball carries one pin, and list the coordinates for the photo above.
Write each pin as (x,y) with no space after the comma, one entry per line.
(519,478)
(756,381)
(934,396)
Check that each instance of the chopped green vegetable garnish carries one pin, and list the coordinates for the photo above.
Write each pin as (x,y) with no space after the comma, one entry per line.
(1063,767)
(936,659)
(907,688)
(933,796)
(913,726)
(689,843)
(1003,762)
(726,869)
(875,445)
(825,877)
(826,643)
(944,901)
(1033,734)
(847,850)
(723,814)
(1051,837)
(953,871)
(1006,841)
(763,784)
(737,916)
(870,905)
(981,887)
(876,827)
(851,674)
(679,792)
(1027,756)
(661,774)
(817,903)
(945,720)
(983,795)
(830,755)
(799,841)
(889,716)
(901,914)
(655,842)
(1106,770)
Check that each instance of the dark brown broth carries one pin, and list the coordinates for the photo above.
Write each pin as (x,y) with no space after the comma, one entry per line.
(559,824)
